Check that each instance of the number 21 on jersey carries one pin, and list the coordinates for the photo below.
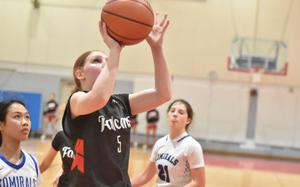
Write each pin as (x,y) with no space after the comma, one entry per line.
(163,173)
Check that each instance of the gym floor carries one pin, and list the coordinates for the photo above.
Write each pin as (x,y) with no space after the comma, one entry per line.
(221,170)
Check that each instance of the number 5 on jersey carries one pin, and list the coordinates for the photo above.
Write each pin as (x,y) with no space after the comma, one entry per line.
(120,144)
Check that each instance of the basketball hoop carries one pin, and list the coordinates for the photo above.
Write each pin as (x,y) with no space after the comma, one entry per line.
(256,73)
(258,56)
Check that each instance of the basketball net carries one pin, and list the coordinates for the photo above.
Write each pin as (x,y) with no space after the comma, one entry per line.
(256,73)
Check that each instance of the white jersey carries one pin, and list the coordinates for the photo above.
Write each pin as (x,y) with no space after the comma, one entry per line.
(175,158)
(25,173)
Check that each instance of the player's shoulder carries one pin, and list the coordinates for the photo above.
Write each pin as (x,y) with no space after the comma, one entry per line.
(59,134)
(30,156)
(2,162)
(32,160)
(162,141)
(121,96)
(120,99)
(191,142)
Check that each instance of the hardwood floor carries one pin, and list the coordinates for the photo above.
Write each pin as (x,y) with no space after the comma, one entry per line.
(218,173)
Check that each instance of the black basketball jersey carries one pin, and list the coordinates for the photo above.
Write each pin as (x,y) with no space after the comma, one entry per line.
(101,143)
(63,144)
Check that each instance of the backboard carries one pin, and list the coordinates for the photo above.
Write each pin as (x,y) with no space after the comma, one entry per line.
(258,55)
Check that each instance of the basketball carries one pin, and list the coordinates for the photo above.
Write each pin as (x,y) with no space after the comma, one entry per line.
(128,21)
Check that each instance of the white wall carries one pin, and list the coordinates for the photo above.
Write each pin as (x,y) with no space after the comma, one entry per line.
(278,116)
(196,43)
(221,110)
(228,112)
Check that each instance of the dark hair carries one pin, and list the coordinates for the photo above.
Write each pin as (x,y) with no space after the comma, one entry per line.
(188,107)
(78,64)
(4,106)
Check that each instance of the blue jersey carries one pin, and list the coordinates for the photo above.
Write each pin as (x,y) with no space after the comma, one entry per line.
(24,173)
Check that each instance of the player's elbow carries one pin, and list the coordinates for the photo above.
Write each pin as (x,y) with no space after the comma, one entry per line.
(163,98)
(43,167)
(98,103)
(103,101)
(99,100)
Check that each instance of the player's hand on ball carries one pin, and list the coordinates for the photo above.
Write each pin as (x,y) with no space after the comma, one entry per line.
(109,41)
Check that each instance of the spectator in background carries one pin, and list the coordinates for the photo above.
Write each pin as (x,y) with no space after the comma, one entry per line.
(152,117)
(50,116)
(134,122)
